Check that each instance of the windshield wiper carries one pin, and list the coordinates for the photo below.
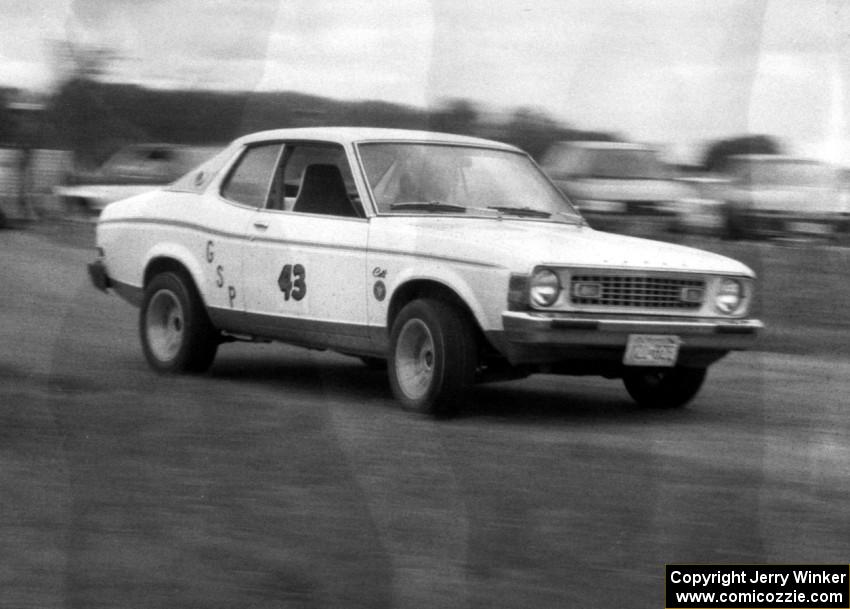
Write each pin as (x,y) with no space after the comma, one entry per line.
(428,206)
(528,212)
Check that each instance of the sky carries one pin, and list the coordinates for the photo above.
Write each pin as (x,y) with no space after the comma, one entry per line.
(675,73)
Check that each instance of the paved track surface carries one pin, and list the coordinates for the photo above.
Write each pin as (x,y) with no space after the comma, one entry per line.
(289,478)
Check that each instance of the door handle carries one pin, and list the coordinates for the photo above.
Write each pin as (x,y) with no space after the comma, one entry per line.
(261,225)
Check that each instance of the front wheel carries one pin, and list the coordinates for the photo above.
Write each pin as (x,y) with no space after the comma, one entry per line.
(174,328)
(663,387)
(432,357)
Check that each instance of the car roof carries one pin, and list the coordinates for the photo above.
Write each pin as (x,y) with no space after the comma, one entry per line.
(351,135)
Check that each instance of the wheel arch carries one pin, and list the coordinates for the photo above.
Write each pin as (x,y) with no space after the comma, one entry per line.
(163,264)
(164,261)
(420,288)
(166,252)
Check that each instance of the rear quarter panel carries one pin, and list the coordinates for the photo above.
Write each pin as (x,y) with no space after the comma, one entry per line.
(203,234)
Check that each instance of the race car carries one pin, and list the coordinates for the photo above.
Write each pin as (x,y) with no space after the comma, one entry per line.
(448,259)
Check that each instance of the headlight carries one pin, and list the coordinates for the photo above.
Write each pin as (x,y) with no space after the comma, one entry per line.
(544,288)
(729,297)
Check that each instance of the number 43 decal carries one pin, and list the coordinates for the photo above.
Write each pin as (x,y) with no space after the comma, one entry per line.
(292,281)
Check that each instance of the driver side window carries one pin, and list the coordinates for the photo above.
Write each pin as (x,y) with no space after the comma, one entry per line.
(315,178)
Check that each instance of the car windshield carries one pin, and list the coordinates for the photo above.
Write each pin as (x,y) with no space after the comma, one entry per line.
(438,178)
(626,164)
(785,172)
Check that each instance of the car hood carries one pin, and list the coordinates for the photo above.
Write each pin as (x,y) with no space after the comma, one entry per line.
(520,245)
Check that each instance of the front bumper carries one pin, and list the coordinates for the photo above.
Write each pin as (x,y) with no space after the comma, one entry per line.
(98,275)
(540,337)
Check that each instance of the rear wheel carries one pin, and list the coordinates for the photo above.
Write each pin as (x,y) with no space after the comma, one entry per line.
(663,387)
(175,332)
(432,357)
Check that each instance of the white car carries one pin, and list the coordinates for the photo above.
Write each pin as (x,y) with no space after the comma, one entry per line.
(452,259)
(133,170)
(626,187)
(773,195)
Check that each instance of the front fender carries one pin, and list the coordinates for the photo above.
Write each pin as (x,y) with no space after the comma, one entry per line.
(470,285)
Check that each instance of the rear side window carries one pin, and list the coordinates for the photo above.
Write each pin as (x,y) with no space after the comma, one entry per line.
(202,165)
(251,177)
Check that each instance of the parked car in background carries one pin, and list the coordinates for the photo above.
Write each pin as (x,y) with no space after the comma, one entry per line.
(626,187)
(130,171)
(450,260)
(772,195)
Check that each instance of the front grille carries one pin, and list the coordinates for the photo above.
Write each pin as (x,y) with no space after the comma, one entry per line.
(641,291)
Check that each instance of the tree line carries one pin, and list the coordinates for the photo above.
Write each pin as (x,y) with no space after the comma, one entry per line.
(93,119)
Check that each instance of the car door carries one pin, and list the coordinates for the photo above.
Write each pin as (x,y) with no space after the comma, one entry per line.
(305,260)
(230,206)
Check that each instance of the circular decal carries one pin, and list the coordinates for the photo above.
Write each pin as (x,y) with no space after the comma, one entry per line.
(379,290)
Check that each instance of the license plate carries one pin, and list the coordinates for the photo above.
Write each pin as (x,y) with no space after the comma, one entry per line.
(651,350)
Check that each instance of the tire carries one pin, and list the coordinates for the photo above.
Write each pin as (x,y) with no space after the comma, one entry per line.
(663,387)
(432,357)
(174,328)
